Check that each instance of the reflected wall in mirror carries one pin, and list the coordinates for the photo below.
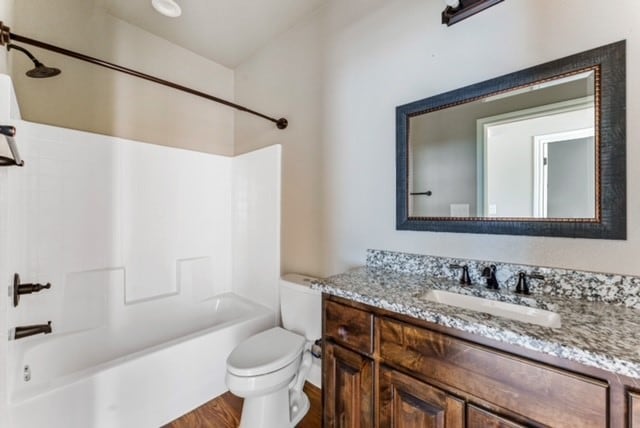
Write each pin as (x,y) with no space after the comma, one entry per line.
(529,152)
(537,152)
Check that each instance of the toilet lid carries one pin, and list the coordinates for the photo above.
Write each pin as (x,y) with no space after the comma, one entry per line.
(265,352)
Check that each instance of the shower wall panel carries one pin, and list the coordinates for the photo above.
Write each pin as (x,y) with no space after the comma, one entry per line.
(87,204)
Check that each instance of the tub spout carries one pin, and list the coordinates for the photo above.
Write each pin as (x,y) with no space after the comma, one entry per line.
(30,330)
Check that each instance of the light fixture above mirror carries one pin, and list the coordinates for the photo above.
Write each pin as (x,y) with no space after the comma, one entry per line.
(457,10)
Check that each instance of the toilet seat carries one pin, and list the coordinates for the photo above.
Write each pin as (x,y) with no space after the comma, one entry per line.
(265,352)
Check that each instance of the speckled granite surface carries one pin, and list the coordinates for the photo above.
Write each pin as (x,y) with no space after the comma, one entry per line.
(590,286)
(596,334)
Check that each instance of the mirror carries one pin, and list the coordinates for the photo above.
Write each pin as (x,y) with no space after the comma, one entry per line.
(537,152)
(528,152)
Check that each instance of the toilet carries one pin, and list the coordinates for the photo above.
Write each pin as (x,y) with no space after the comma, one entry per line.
(269,369)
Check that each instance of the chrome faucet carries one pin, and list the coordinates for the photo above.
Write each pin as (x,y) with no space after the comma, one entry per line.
(489,273)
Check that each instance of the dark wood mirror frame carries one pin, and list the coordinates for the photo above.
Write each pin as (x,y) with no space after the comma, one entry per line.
(610,221)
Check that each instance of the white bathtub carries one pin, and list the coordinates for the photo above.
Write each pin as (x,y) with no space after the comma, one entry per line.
(138,373)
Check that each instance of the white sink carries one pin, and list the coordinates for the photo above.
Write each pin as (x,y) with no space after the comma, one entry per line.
(536,316)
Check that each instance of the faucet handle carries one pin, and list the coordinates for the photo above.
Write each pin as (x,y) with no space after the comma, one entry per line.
(489,272)
(465,279)
(523,286)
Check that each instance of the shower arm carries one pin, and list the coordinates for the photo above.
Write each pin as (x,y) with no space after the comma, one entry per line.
(6,36)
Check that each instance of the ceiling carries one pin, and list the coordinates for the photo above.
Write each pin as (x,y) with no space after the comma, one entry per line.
(225,31)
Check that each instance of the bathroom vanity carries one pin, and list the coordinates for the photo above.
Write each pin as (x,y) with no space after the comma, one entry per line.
(393,358)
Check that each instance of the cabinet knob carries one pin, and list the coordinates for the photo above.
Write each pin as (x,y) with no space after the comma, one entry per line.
(342,332)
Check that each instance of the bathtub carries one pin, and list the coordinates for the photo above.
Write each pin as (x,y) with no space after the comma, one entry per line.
(141,372)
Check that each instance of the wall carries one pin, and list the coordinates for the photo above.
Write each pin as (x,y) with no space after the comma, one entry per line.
(443,160)
(94,99)
(8,111)
(256,226)
(86,206)
(510,160)
(338,77)
(443,146)
(6,14)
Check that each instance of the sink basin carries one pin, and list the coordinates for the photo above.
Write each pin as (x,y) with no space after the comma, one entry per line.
(536,316)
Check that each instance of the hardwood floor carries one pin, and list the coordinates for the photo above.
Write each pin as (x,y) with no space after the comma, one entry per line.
(224,412)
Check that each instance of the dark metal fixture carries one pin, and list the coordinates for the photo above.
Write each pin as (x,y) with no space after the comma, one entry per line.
(20,289)
(6,36)
(490,274)
(316,348)
(465,279)
(464,9)
(9,132)
(40,71)
(30,330)
(427,193)
(523,287)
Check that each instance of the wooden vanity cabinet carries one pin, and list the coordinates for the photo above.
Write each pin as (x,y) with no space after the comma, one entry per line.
(481,418)
(348,388)
(406,402)
(389,371)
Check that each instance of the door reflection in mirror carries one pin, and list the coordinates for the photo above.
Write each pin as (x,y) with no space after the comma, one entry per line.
(483,158)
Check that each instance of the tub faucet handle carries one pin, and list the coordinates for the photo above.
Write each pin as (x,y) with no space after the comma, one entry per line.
(19,289)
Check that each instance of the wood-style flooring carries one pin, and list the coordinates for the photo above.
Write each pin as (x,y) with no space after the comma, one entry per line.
(224,412)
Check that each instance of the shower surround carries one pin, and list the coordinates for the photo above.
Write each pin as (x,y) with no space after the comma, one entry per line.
(147,250)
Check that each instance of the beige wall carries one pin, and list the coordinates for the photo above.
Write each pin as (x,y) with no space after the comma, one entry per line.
(94,99)
(339,83)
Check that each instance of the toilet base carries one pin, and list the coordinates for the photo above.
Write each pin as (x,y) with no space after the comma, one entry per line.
(300,410)
(272,411)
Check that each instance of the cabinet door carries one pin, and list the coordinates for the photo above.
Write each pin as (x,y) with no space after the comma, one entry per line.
(348,388)
(634,409)
(480,418)
(407,403)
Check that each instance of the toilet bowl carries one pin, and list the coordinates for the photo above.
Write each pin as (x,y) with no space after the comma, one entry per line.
(269,369)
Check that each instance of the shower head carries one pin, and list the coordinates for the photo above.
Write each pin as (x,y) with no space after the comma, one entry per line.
(40,71)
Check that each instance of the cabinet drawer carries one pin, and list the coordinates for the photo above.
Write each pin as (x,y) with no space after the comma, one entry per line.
(541,393)
(349,326)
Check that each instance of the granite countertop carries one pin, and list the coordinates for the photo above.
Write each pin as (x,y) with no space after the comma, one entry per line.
(601,335)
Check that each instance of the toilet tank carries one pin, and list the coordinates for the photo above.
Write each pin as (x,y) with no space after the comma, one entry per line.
(300,306)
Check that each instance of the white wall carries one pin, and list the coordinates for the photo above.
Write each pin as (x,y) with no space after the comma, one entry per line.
(91,98)
(256,226)
(6,13)
(509,155)
(8,111)
(338,77)
(86,205)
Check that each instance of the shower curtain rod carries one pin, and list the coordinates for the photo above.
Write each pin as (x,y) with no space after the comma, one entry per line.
(7,36)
